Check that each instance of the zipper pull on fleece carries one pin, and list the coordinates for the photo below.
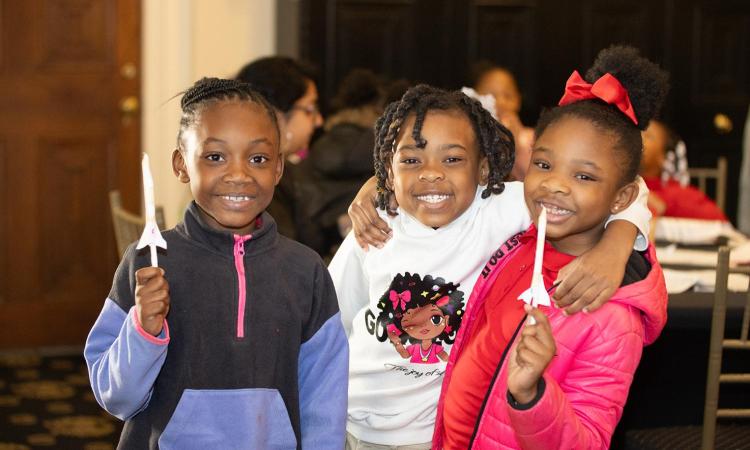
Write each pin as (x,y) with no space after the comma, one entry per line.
(239,265)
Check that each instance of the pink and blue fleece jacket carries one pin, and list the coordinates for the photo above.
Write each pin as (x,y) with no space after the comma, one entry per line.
(253,354)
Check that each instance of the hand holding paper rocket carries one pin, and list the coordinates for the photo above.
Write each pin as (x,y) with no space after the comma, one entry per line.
(151,235)
(537,294)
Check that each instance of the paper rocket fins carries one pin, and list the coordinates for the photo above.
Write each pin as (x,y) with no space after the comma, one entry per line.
(151,236)
(536,295)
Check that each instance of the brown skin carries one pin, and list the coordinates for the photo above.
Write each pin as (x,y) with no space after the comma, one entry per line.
(300,122)
(584,284)
(576,175)
(151,299)
(232,150)
(502,86)
(530,357)
(449,167)
(654,149)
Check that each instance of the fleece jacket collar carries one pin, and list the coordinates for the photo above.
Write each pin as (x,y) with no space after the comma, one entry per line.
(196,230)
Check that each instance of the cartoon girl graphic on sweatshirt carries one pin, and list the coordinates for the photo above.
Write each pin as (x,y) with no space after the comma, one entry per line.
(422,312)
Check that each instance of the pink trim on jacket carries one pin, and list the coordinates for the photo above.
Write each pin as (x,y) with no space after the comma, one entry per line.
(148,336)
(588,381)
(239,264)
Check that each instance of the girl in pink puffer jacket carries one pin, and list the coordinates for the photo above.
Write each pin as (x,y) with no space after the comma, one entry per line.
(562,383)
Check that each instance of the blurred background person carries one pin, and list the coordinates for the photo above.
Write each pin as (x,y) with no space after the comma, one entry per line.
(666,176)
(488,78)
(341,159)
(289,86)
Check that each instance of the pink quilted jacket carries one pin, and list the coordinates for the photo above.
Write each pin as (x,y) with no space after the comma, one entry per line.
(586,383)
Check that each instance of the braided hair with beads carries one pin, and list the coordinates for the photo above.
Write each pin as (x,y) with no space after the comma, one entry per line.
(208,91)
(494,140)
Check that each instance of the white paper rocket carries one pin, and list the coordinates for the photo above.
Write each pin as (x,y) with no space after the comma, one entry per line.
(537,294)
(151,235)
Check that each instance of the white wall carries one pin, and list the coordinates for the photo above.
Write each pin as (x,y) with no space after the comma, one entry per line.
(184,40)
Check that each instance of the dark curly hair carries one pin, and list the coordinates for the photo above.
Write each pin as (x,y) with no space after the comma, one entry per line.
(422,292)
(207,91)
(647,86)
(494,140)
(279,79)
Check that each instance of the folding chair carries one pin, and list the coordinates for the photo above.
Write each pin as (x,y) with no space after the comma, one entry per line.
(718,174)
(711,435)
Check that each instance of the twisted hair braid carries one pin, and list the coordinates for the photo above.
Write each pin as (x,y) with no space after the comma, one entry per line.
(494,141)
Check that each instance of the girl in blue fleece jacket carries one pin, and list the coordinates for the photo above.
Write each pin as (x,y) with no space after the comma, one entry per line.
(243,347)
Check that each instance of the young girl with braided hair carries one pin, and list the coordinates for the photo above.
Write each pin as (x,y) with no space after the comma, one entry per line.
(243,347)
(440,159)
(561,382)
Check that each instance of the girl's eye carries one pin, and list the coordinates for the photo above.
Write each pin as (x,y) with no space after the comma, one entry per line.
(436,320)
(584,177)
(542,165)
(214,157)
(258,159)
(453,159)
(409,161)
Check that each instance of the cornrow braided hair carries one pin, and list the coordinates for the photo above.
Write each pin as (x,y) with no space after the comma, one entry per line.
(207,91)
(493,139)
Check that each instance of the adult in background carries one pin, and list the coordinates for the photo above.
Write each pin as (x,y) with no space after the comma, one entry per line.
(488,78)
(341,160)
(289,86)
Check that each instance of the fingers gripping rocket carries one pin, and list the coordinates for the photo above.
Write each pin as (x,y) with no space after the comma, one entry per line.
(151,235)
(537,294)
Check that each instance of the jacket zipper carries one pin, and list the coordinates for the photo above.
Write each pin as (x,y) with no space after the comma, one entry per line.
(492,382)
(239,265)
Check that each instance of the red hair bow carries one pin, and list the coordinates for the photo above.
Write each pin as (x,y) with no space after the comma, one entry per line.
(606,88)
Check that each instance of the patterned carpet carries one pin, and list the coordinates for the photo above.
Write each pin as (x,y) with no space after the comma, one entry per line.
(46,403)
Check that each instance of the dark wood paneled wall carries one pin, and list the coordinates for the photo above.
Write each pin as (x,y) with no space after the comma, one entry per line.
(705,44)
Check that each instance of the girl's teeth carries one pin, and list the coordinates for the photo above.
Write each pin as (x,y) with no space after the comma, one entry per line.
(556,210)
(236,198)
(432,198)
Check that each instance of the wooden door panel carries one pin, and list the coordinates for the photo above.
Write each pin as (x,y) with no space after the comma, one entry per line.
(63,146)
(74,173)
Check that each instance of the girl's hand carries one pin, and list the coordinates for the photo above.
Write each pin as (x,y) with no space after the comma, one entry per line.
(368,227)
(589,281)
(151,298)
(530,357)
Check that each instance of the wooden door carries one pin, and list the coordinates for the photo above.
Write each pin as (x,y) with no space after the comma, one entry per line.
(66,68)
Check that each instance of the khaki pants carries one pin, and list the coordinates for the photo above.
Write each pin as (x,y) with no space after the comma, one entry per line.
(353,443)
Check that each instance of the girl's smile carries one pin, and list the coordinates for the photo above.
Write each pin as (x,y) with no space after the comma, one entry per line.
(435,183)
(557,212)
(231,160)
(574,168)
